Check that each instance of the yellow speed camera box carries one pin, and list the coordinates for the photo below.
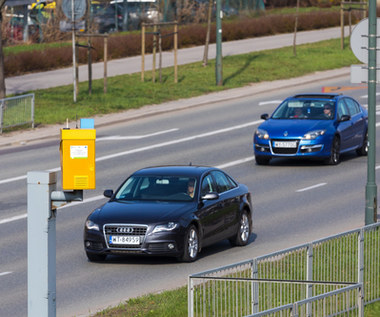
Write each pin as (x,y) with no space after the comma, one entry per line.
(77,150)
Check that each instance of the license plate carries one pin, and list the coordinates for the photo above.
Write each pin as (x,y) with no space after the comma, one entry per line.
(124,240)
(290,144)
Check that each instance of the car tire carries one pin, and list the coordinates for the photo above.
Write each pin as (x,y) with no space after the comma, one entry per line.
(92,257)
(363,150)
(191,245)
(243,231)
(334,158)
(261,160)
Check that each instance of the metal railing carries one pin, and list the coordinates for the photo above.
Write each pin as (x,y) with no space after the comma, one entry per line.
(327,273)
(16,111)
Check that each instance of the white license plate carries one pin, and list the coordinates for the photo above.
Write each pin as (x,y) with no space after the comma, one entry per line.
(291,144)
(124,240)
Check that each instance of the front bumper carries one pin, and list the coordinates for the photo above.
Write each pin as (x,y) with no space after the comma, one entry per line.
(159,244)
(297,148)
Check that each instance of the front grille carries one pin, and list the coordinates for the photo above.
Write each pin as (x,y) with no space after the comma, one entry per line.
(124,230)
(285,150)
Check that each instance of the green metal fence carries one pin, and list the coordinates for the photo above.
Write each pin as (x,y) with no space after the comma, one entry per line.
(327,277)
(16,111)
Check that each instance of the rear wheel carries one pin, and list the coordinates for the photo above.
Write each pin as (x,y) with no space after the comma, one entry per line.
(191,245)
(244,230)
(261,160)
(334,158)
(363,150)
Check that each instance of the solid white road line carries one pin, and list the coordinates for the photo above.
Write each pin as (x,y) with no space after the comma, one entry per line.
(5,273)
(134,137)
(271,102)
(311,187)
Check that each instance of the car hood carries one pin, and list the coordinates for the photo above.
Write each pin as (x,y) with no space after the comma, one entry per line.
(294,128)
(142,212)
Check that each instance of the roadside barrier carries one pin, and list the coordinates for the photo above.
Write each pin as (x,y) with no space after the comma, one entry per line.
(16,111)
(331,276)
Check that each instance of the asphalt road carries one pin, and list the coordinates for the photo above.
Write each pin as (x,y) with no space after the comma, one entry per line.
(294,201)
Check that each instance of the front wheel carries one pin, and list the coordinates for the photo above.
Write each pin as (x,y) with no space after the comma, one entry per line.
(191,245)
(334,158)
(244,230)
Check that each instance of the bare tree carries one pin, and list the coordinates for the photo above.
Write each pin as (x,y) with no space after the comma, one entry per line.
(205,55)
(295,29)
(2,77)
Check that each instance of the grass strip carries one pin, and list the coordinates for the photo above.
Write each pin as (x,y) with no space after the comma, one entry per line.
(55,105)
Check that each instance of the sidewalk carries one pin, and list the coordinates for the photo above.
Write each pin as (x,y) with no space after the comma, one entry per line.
(51,132)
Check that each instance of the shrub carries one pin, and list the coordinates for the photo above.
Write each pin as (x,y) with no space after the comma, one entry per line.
(124,45)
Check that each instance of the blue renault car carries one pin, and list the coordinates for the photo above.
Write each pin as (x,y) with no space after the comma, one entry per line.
(318,126)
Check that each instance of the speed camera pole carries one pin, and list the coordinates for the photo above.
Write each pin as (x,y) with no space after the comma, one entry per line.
(371,188)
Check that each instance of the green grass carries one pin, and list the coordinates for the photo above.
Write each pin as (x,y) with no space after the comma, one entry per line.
(125,92)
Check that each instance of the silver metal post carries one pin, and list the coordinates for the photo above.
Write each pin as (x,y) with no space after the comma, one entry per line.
(41,245)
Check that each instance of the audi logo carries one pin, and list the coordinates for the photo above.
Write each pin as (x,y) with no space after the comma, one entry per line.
(124,230)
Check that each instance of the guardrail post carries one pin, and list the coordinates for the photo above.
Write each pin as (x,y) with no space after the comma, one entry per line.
(255,287)
(309,277)
(190,298)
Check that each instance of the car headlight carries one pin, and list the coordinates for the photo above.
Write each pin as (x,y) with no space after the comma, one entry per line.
(262,134)
(90,225)
(312,135)
(170,226)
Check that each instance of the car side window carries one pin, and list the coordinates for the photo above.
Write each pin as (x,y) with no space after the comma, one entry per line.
(207,185)
(353,107)
(342,110)
(222,181)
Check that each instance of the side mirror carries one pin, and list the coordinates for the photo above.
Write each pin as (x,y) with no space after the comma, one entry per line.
(345,117)
(264,116)
(210,196)
(108,193)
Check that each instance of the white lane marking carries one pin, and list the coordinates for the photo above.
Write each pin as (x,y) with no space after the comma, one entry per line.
(366,96)
(263,103)
(237,162)
(95,198)
(5,273)
(311,187)
(134,137)
(154,146)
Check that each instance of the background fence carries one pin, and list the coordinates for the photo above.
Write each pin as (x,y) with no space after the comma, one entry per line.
(326,277)
(16,111)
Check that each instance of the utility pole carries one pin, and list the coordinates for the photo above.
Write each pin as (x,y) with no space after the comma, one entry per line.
(218,61)
(371,187)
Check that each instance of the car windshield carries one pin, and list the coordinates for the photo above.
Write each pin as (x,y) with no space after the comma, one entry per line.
(309,109)
(161,188)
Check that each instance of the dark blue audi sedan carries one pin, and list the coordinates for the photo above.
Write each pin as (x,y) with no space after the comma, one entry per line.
(321,126)
(170,211)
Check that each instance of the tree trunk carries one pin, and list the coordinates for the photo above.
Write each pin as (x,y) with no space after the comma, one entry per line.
(2,76)
(205,55)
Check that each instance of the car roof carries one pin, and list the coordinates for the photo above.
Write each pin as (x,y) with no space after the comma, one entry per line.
(175,170)
(318,95)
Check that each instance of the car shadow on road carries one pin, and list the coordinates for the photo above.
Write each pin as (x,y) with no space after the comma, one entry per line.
(289,162)
(214,249)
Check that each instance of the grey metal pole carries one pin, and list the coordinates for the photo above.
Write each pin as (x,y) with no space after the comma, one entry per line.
(371,187)
(74,59)
(218,61)
(41,245)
